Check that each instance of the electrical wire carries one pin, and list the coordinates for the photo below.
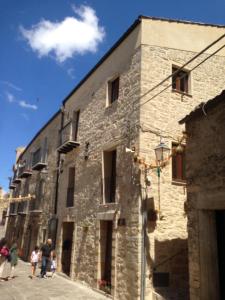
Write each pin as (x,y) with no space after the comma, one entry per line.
(141,104)
(184,65)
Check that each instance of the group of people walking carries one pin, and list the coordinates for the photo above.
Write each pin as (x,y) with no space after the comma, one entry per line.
(47,256)
(9,259)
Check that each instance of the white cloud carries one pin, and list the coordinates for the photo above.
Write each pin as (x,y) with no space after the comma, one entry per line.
(27,105)
(9,97)
(11,85)
(73,35)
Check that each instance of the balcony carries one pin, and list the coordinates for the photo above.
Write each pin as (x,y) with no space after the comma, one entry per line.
(67,138)
(39,159)
(25,171)
(22,208)
(12,185)
(13,209)
(16,178)
(35,206)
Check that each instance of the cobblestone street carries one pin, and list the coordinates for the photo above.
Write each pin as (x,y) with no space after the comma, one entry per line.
(57,288)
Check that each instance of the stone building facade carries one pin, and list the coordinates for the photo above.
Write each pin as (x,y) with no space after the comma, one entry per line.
(32,203)
(3,211)
(121,220)
(205,199)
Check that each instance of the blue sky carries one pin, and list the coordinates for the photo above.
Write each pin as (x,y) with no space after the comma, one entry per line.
(40,65)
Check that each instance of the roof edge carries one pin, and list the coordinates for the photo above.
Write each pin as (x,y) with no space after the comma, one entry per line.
(181,21)
(104,57)
(203,107)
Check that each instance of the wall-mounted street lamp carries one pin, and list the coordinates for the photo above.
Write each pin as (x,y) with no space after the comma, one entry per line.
(162,152)
(162,155)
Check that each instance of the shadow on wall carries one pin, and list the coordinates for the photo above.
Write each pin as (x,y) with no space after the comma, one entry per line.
(170,269)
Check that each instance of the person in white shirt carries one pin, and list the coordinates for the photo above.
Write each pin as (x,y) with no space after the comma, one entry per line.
(34,259)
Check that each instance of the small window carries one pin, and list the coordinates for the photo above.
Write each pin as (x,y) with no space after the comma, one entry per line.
(109,182)
(113,90)
(180,80)
(70,188)
(178,164)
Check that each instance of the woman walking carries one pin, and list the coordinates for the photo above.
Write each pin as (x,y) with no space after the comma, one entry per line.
(4,255)
(13,259)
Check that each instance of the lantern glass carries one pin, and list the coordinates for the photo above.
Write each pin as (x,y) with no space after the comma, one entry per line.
(162,152)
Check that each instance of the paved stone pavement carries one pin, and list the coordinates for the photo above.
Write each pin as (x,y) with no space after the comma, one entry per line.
(57,288)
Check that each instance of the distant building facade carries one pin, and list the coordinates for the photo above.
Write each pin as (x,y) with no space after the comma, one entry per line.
(32,203)
(205,199)
(3,211)
(121,225)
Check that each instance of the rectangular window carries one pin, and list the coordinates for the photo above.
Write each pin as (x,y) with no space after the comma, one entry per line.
(109,186)
(70,188)
(113,90)
(180,80)
(178,164)
(76,116)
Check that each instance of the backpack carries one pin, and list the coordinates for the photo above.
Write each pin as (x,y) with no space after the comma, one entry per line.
(4,251)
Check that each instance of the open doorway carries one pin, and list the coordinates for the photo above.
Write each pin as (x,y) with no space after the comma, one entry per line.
(220,229)
(106,231)
(67,242)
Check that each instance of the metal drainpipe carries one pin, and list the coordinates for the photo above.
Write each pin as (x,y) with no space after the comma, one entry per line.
(58,171)
(143,250)
(57,185)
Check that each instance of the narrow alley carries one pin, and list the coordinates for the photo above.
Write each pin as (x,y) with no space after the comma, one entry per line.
(57,288)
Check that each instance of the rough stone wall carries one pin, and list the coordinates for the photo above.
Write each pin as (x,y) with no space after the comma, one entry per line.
(28,229)
(205,173)
(106,127)
(167,238)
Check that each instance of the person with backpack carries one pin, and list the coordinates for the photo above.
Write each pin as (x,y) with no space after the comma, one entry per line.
(4,257)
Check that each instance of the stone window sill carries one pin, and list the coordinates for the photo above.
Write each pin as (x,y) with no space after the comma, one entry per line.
(182,93)
(179,182)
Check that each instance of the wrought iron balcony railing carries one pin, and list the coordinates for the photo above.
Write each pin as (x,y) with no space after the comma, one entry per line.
(12,185)
(16,178)
(39,160)
(13,209)
(22,208)
(67,138)
(35,206)
(25,171)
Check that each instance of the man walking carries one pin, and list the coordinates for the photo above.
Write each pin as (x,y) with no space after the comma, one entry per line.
(46,256)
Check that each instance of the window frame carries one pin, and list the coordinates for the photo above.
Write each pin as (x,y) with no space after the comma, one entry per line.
(105,199)
(110,98)
(187,83)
